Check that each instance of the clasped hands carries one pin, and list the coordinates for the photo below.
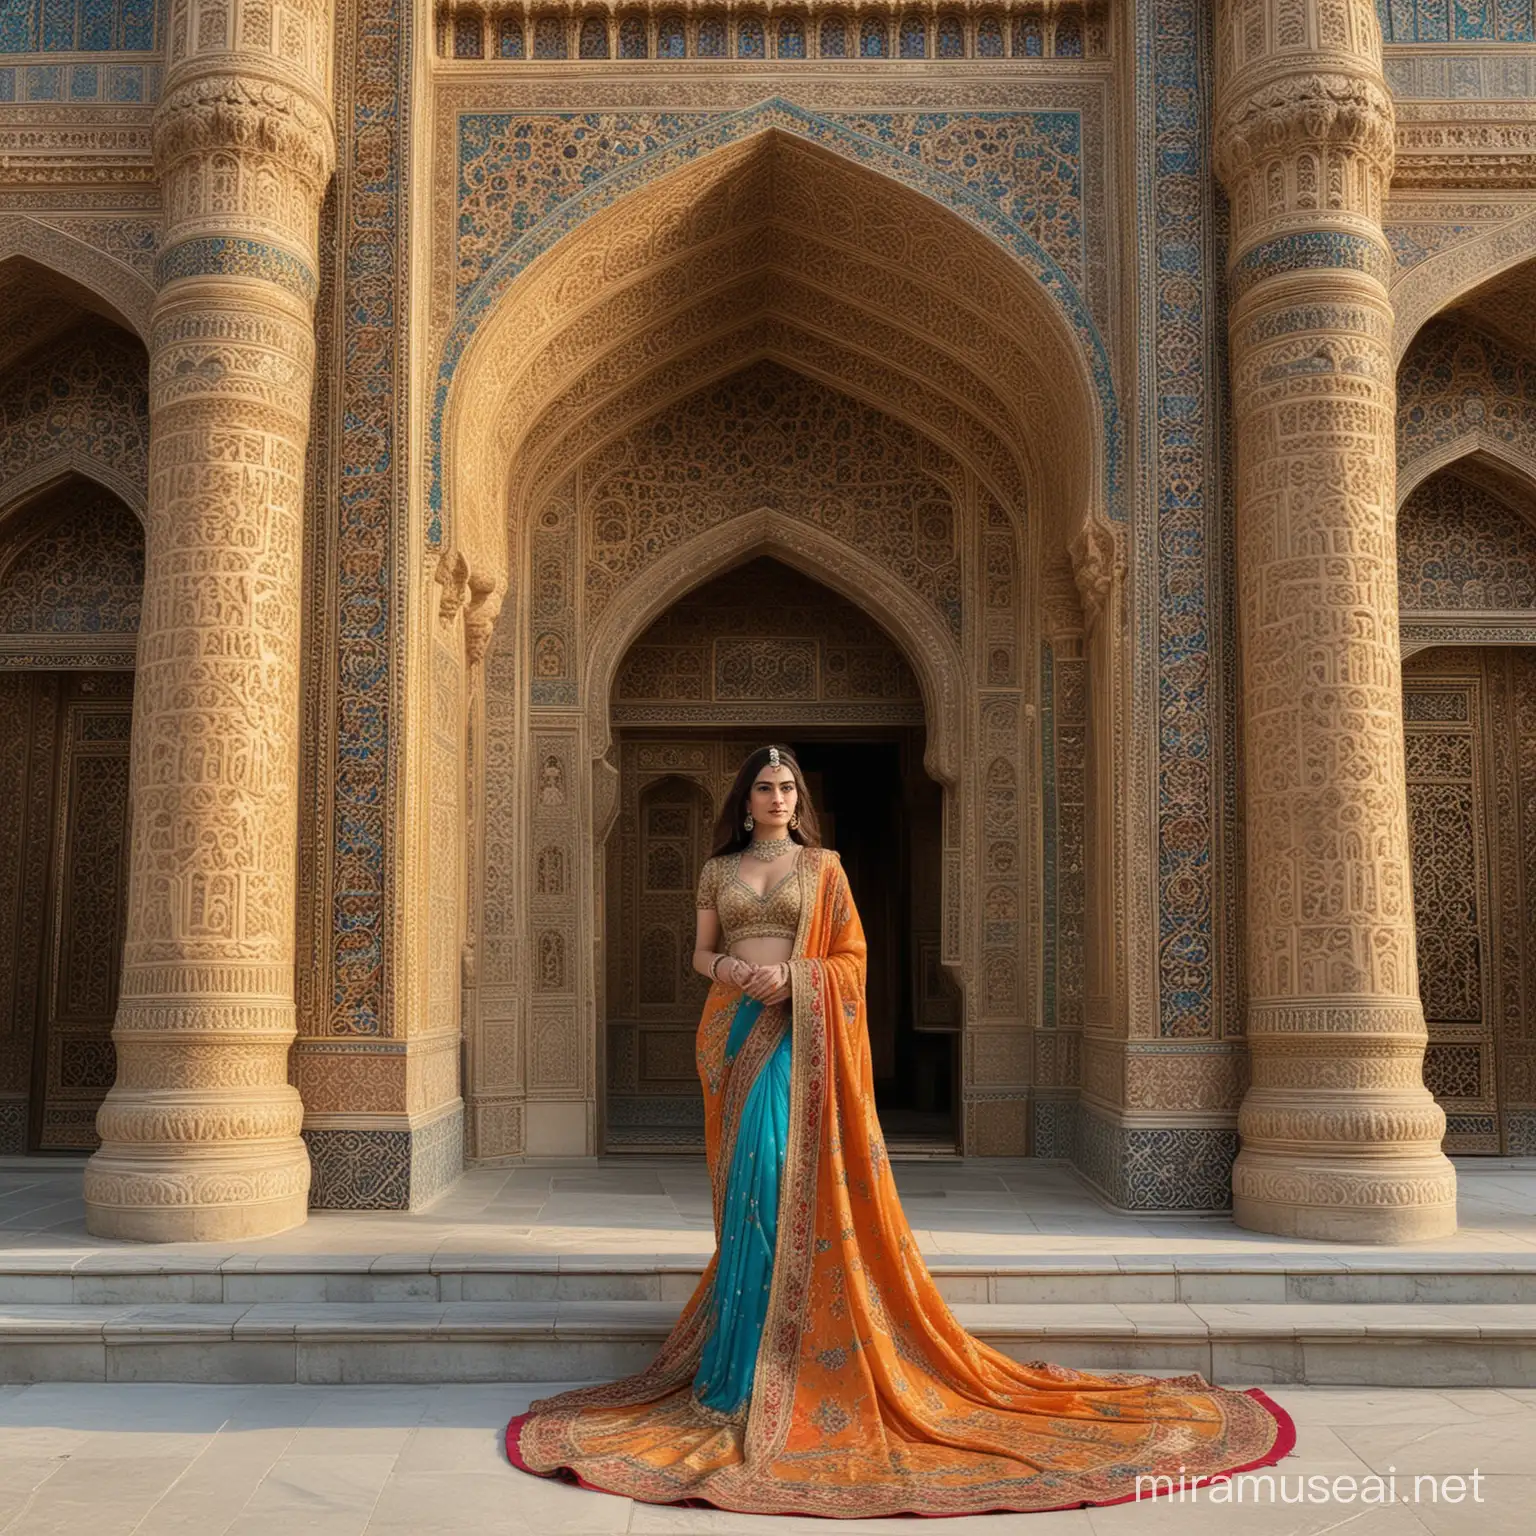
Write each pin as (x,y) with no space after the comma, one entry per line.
(767,983)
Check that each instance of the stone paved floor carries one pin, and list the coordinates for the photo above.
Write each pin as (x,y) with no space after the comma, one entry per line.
(417,1461)
(992,1209)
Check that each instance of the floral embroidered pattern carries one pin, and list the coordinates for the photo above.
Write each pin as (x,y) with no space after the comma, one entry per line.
(979,1431)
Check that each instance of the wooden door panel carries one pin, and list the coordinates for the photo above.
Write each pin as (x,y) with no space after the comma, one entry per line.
(1470,740)
(86,910)
(29,725)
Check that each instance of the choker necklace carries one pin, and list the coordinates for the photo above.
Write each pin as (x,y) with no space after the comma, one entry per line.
(769,848)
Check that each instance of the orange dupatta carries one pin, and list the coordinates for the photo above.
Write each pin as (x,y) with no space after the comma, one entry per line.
(869,1398)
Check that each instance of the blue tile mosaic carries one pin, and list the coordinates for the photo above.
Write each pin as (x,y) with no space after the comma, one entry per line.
(45,82)
(372,220)
(125,82)
(1181,432)
(223,254)
(16,31)
(1457,21)
(140,19)
(56,26)
(97,29)
(1310,248)
(78,26)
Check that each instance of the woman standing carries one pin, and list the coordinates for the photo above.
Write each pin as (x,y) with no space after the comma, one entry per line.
(816,1370)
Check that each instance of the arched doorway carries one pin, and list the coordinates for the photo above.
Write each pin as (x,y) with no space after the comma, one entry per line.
(1467,586)
(71,570)
(1466,560)
(763,652)
(74,418)
(770,351)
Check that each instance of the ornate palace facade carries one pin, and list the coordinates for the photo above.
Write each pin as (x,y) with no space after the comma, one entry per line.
(434,442)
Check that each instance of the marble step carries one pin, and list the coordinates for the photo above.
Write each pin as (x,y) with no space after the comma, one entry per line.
(130,1277)
(1319,1344)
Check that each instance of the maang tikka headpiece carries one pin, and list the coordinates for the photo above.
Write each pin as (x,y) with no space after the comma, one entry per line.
(773,757)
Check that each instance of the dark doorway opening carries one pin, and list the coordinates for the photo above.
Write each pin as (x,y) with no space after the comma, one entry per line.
(762,653)
(881,812)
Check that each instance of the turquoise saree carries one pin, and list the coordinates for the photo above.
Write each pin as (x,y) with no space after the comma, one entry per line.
(748,1227)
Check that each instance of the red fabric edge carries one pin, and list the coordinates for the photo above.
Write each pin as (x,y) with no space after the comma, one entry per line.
(1285,1443)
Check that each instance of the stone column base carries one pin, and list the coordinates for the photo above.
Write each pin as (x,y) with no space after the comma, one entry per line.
(1142,1167)
(196,1196)
(1399,1200)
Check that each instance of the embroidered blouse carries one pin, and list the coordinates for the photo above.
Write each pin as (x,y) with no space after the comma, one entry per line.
(743,913)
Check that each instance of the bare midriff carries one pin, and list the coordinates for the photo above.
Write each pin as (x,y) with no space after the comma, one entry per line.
(763,951)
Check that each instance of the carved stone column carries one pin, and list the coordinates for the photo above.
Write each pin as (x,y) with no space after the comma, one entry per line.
(1339,1136)
(200,1134)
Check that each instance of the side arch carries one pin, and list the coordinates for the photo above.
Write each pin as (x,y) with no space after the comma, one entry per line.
(1440,281)
(129,296)
(1514,459)
(927,645)
(43,474)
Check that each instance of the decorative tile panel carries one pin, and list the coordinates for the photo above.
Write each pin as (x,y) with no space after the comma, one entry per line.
(366,506)
(1443,21)
(1173,1168)
(1182,541)
(385,1170)
(84,43)
(78,26)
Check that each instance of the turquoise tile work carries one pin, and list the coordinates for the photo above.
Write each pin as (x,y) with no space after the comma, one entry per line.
(77,26)
(1457,21)
(55,50)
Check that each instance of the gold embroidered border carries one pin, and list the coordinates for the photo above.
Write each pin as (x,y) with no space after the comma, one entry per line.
(761,1042)
(778,1358)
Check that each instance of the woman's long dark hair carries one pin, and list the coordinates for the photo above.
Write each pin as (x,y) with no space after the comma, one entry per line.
(731,836)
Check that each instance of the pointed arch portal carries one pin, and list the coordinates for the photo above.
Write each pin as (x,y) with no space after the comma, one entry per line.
(772,348)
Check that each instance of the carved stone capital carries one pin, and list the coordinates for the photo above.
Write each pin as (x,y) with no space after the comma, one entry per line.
(452,575)
(1320,112)
(246,114)
(480,617)
(1096,563)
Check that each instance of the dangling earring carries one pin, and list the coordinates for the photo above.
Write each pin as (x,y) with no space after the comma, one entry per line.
(794,821)
(749,823)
